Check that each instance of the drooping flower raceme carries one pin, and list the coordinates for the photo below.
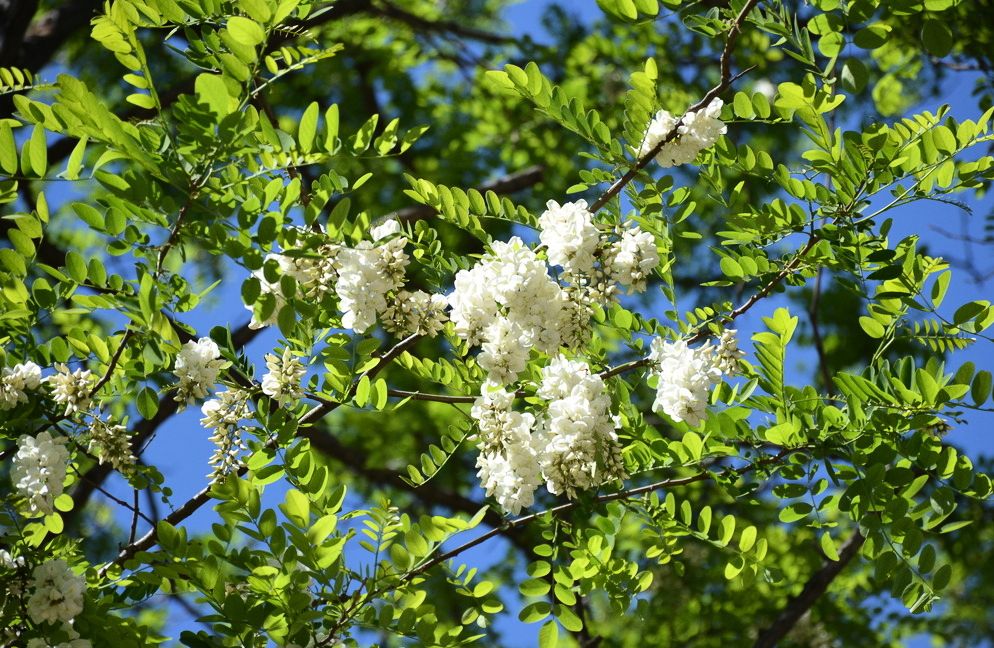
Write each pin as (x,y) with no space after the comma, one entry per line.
(197,366)
(224,415)
(73,389)
(580,448)
(508,461)
(57,593)
(110,443)
(570,236)
(509,304)
(697,131)
(39,468)
(366,274)
(283,380)
(632,258)
(416,312)
(72,640)
(686,375)
(16,382)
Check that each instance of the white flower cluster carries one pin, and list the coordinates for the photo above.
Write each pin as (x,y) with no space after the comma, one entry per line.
(72,640)
(697,131)
(366,279)
(686,375)
(57,593)
(509,453)
(570,447)
(632,259)
(416,312)
(110,443)
(570,237)
(282,382)
(580,448)
(197,366)
(72,389)
(590,259)
(224,415)
(508,304)
(39,470)
(16,381)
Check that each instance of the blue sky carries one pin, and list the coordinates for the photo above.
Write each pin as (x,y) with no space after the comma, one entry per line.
(181,448)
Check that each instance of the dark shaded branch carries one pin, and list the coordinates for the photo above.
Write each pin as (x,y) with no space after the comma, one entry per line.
(389,10)
(508,184)
(37,46)
(798,605)
(15,16)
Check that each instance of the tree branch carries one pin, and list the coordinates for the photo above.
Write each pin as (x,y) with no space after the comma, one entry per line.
(813,589)
(723,84)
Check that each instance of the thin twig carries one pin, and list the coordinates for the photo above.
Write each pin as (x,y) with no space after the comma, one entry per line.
(723,84)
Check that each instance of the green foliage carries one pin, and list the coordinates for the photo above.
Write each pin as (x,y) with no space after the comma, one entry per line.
(194,153)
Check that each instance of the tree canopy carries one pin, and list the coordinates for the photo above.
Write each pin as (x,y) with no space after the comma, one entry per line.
(608,333)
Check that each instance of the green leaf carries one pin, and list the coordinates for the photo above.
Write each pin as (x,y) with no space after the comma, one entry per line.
(212,92)
(980,390)
(871,327)
(854,75)
(308,127)
(8,149)
(937,37)
(747,539)
(548,636)
(297,507)
(535,612)
(246,31)
(828,546)
(147,403)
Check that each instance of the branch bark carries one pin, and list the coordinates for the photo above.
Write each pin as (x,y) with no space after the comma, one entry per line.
(816,585)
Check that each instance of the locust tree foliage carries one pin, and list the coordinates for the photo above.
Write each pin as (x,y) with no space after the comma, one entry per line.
(612,336)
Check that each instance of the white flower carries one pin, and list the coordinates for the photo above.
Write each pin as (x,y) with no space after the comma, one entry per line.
(16,381)
(365,275)
(385,229)
(686,376)
(698,131)
(224,415)
(509,304)
(508,461)
(416,312)
(580,448)
(58,593)
(570,236)
(39,470)
(766,88)
(283,380)
(72,389)
(110,443)
(197,366)
(727,354)
(633,258)
(9,562)
(73,640)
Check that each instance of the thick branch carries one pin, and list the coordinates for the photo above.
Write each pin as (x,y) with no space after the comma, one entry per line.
(813,589)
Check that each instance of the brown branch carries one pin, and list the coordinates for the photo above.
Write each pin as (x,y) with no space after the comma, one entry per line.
(816,585)
(389,10)
(569,506)
(723,84)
